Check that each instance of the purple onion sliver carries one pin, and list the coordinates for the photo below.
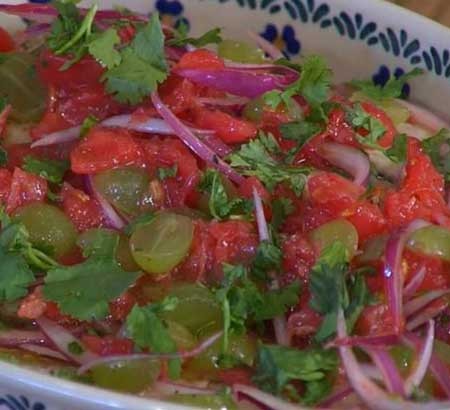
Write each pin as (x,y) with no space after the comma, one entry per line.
(336,397)
(15,338)
(421,301)
(58,137)
(425,315)
(411,288)
(366,341)
(194,143)
(43,351)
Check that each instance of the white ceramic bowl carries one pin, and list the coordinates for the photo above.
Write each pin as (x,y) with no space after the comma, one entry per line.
(360,38)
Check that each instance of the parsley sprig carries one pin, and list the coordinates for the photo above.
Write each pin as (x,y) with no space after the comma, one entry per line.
(437,148)
(181,38)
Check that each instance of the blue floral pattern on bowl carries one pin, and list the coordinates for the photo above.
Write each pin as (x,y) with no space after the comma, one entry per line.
(10,402)
(384,74)
(171,12)
(285,40)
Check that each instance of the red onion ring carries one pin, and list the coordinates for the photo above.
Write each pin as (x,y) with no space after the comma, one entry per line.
(365,341)
(44,351)
(414,305)
(223,102)
(350,159)
(61,338)
(424,117)
(384,165)
(336,397)
(415,131)
(414,284)
(426,315)
(189,139)
(15,338)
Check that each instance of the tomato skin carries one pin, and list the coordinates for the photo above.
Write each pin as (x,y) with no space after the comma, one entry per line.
(104,149)
(108,345)
(421,194)
(25,189)
(298,258)
(367,219)
(6,41)
(374,320)
(388,138)
(178,93)
(33,305)
(5,184)
(200,59)
(229,129)
(234,376)
(121,307)
(84,211)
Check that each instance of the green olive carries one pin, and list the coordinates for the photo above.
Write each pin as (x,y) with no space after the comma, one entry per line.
(124,188)
(431,240)
(338,230)
(240,52)
(160,245)
(49,228)
(127,376)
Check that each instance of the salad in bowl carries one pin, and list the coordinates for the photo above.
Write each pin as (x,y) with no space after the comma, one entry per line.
(204,221)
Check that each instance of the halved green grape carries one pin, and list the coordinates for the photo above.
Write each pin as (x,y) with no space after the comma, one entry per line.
(197,308)
(373,249)
(431,240)
(241,350)
(124,188)
(16,134)
(182,337)
(240,52)
(163,243)
(254,109)
(49,228)
(21,87)
(338,230)
(210,402)
(127,376)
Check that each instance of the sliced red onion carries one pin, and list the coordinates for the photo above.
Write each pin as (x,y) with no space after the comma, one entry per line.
(223,102)
(44,351)
(415,131)
(391,375)
(37,29)
(426,314)
(336,397)
(272,51)
(152,356)
(423,116)
(426,351)
(62,340)
(58,137)
(393,271)
(365,341)
(350,159)
(113,219)
(168,389)
(384,166)
(15,338)
(198,147)
(372,372)
(440,371)
(421,301)
(374,397)
(217,145)
(261,222)
(237,82)
(411,288)
(260,399)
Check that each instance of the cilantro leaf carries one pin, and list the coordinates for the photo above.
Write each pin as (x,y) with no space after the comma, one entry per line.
(360,119)
(268,258)
(65,26)
(281,208)
(49,169)
(88,123)
(3,156)
(392,89)
(277,302)
(278,366)
(220,205)
(255,159)
(433,146)
(143,65)
(359,297)
(300,131)
(149,332)
(168,172)
(181,39)
(72,286)
(102,48)
(313,84)
(398,150)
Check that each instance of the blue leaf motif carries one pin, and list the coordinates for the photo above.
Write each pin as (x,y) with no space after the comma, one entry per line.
(20,403)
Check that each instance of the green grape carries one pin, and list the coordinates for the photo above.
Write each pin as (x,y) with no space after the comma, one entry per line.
(431,240)
(241,350)
(254,109)
(124,188)
(160,245)
(210,402)
(183,338)
(49,228)
(240,52)
(403,357)
(21,87)
(373,249)
(127,376)
(16,134)
(337,230)
(197,308)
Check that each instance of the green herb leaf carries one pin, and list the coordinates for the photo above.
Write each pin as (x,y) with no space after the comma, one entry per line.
(392,89)
(300,131)
(278,366)
(103,48)
(49,169)
(181,39)
(168,172)
(432,146)
(3,157)
(149,332)
(220,205)
(281,209)
(88,123)
(397,153)
(71,286)
(268,258)
(360,119)
(143,65)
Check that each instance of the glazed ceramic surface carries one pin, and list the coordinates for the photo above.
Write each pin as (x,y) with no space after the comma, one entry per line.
(360,38)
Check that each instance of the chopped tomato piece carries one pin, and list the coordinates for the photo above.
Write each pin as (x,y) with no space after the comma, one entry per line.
(120,307)
(298,258)
(178,93)
(33,306)
(367,219)
(200,59)
(104,149)
(375,320)
(228,128)
(25,188)
(5,185)
(108,345)
(388,138)
(84,211)
(6,41)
